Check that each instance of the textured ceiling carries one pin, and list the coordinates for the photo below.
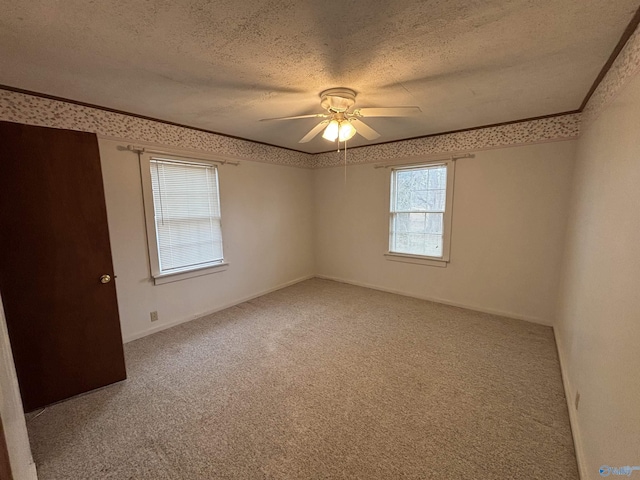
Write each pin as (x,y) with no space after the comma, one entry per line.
(223,65)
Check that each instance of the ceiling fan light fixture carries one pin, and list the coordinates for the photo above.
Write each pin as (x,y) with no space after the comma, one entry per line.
(332,131)
(346,132)
(337,122)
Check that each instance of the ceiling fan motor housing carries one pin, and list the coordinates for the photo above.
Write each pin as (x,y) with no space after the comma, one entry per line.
(338,99)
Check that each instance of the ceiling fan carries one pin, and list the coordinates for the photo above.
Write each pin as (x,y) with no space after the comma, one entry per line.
(341,124)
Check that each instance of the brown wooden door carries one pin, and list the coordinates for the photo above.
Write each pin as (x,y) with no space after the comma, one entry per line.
(63,322)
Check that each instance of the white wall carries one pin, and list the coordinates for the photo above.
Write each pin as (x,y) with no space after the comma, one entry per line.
(509,215)
(267,235)
(13,421)
(598,326)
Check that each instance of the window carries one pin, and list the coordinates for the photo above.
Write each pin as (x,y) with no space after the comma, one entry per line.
(420,213)
(182,207)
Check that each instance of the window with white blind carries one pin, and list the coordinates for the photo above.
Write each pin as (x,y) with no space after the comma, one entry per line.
(182,204)
(420,213)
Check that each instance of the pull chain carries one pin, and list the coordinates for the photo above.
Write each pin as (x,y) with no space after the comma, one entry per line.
(345,163)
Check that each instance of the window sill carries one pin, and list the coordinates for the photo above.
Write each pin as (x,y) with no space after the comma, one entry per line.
(416,259)
(177,276)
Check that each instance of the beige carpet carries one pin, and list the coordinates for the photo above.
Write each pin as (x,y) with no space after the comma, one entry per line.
(323,380)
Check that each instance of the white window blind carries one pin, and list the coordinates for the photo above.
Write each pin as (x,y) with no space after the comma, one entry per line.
(187,215)
(418,204)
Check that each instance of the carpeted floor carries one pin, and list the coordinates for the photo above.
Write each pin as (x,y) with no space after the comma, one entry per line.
(322,380)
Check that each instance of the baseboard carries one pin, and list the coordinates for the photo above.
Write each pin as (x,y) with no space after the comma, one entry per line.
(164,326)
(159,328)
(500,313)
(570,394)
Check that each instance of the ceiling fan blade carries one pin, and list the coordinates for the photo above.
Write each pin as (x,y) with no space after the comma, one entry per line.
(387,112)
(314,131)
(313,115)
(365,130)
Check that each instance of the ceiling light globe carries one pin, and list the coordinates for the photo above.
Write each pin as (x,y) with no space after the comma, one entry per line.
(331,132)
(347,131)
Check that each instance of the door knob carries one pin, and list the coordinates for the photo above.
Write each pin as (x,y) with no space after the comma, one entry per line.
(105,278)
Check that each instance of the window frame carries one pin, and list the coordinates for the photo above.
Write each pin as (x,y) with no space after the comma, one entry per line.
(157,275)
(445,258)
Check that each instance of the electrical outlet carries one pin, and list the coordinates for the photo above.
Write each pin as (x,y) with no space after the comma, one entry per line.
(154,316)
(577,400)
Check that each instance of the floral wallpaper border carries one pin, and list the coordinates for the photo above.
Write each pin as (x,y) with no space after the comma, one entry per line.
(564,127)
(33,110)
(623,69)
